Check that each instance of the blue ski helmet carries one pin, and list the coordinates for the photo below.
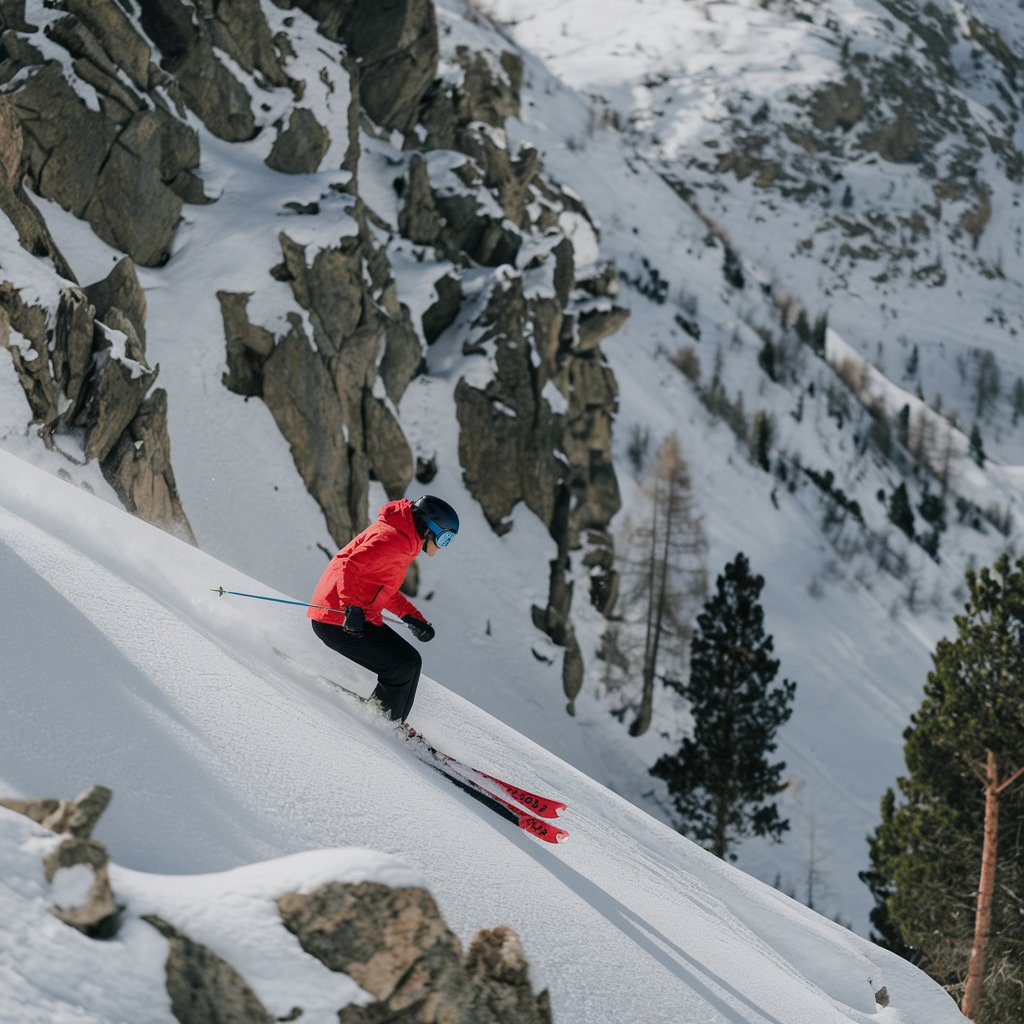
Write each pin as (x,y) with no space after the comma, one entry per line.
(438,517)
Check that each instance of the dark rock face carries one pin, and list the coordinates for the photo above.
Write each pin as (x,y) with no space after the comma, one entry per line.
(122,169)
(81,373)
(394,43)
(396,946)
(321,390)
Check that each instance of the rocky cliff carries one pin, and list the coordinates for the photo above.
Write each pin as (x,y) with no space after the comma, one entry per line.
(114,103)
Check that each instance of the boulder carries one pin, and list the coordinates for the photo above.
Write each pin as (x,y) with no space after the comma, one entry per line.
(498,978)
(76,817)
(396,946)
(113,173)
(66,143)
(441,313)
(99,916)
(116,35)
(299,148)
(204,988)
(120,289)
(79,817)
(131,207)
(248,346)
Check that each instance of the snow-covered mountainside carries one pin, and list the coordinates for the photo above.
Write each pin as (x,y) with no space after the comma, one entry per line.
(709,255)
(866,157)
(120,665)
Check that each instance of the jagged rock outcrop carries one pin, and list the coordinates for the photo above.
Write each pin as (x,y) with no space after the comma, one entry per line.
(81,374)
(204,988)
(395,46)
(76,817)
(550,391)
(322,390)
(82,364)
(395,945)
(125,167)
(98,916)
(392,942)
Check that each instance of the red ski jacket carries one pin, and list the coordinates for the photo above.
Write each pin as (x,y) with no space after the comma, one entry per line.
(370,568)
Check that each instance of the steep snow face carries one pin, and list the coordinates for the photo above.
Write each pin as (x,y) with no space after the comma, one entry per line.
(855,607)
(121,666)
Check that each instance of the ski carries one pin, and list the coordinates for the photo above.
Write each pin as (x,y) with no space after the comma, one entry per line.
(542,807)
(468,778)
(527,822)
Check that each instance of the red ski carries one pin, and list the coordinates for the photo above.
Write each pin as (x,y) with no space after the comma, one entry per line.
(541,829)
(541,806)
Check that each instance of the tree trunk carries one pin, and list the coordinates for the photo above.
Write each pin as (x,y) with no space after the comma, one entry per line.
(642,721)
(986,885)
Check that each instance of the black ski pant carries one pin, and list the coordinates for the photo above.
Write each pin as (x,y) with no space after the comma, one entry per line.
(381,650)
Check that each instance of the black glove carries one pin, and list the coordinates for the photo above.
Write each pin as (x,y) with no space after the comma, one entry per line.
(355,620)
(423,631)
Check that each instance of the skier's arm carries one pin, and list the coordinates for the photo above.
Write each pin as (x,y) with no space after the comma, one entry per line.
(401,606)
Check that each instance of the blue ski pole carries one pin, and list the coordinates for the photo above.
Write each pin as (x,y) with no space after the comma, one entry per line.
(221,592)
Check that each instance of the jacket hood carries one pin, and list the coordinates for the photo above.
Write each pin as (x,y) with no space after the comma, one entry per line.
(398,514)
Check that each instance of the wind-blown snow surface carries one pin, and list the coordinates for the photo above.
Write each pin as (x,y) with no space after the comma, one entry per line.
(121,667)
(842,627)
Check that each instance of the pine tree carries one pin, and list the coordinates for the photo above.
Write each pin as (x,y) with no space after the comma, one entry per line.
(900,512)
(926,855)
(977,447)
(721,779)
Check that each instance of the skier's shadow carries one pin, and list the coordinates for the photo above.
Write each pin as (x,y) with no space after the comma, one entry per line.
(678,962)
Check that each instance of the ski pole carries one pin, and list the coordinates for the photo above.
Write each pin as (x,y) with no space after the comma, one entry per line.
(221,592)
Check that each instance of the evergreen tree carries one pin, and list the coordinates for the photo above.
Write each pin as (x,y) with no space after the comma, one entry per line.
(721,779)
(926,854)
(900,512)
(1018,399)
(762,438)
(977,447)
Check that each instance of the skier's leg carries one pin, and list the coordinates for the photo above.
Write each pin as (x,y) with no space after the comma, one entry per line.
(398,674)
(381,650)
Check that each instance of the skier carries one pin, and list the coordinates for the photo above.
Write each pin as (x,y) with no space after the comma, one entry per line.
(362,581)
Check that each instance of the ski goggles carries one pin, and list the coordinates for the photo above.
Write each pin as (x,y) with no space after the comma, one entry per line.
(442,538)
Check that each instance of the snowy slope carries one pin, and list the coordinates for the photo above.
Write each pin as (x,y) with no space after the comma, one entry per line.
(855,638)
(120,666)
